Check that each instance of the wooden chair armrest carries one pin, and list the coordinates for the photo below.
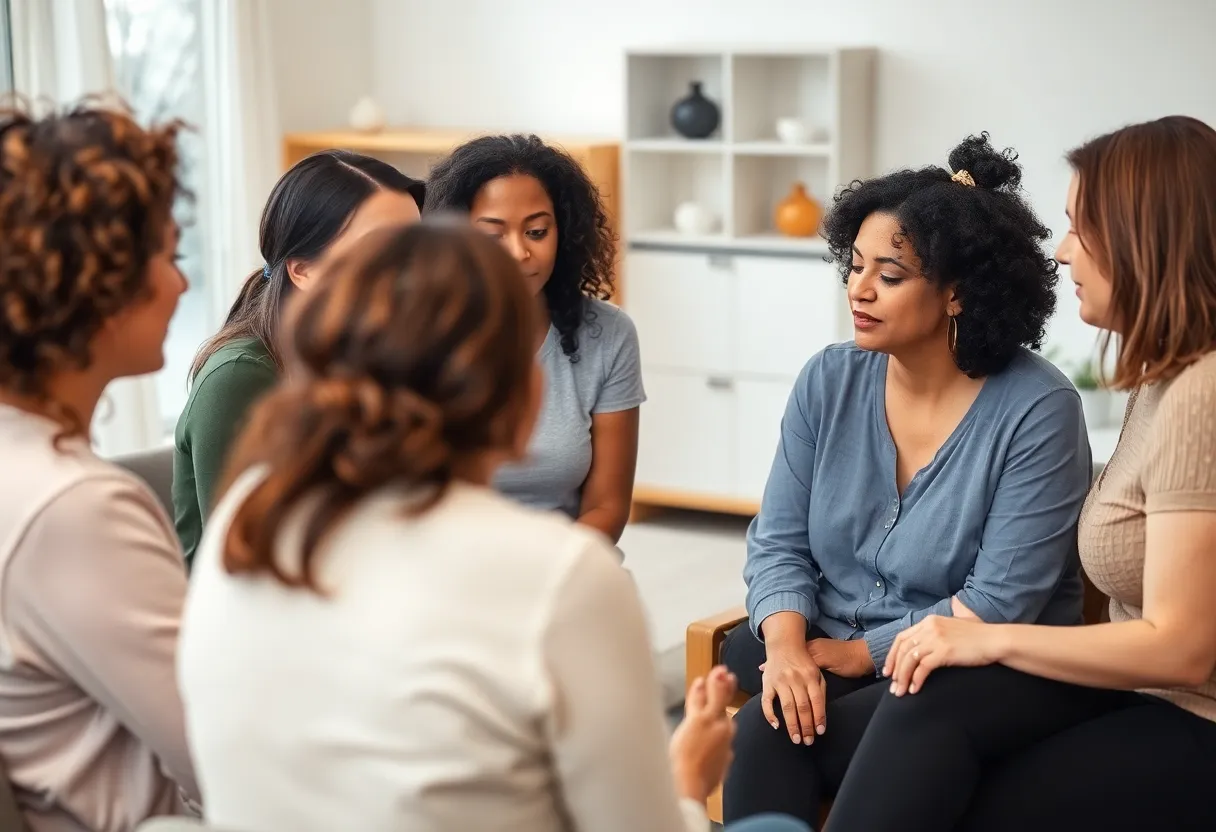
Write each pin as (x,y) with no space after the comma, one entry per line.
(704,640)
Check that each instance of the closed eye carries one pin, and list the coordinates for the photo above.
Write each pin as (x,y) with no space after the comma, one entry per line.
(891,281)
(538,233)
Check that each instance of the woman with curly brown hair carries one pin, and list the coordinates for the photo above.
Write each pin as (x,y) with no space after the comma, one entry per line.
(401,647)
(91,575)
(539,203)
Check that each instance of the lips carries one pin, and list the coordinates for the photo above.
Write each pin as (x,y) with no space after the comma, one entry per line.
(864,318)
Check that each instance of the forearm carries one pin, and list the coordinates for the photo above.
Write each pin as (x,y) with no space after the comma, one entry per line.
(1125,656)
(608,519)
(784,629)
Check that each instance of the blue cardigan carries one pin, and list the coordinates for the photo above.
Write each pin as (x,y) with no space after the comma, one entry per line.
(992,519)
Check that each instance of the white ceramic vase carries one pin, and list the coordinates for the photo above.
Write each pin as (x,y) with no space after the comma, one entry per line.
(367,116)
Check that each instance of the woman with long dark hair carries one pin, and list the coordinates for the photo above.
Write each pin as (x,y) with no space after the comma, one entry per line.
(541,206)
(319,210)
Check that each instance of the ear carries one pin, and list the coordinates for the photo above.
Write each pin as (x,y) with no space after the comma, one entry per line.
(301,273)
(953,306)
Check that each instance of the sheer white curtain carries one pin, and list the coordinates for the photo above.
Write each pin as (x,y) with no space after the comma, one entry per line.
(60,53)
(242,138)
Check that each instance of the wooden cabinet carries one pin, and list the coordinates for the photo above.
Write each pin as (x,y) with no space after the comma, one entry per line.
(723,338)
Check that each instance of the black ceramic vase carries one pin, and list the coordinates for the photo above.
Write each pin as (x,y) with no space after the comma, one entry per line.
(695,116)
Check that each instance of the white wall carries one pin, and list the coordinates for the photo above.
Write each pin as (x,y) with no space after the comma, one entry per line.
(1040,75)
(323,60)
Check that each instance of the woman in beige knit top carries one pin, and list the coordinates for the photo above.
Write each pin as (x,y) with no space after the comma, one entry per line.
(91,575)
(1109,726)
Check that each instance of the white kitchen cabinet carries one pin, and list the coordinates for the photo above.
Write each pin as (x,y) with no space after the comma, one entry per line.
(786,309)
(717,391)
(759,406)
(680,302)
(686,425)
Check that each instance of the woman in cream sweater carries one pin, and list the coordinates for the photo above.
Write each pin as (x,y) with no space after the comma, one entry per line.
(91,575)
(1110,726)
(400,647)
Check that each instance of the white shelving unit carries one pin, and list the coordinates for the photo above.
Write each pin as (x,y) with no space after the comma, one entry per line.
(728,318)
(743,170)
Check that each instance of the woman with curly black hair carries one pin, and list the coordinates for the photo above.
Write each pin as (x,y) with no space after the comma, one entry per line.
(539,203)
(91,727)
(934,465)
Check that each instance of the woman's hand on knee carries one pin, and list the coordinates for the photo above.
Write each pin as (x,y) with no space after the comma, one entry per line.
(936,642)
(700,748)
(792,677)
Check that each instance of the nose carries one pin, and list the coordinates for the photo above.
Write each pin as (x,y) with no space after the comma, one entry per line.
(517,247)
(861,288)
(1062,252)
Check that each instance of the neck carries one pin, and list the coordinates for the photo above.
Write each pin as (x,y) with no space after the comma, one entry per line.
(925,371)
(76,392)
(479,469)
(543,321)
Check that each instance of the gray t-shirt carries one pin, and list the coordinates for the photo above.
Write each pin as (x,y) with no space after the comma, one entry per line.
(606,378)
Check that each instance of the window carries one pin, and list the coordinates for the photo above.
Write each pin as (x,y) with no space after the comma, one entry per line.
(6,50)
(157,52)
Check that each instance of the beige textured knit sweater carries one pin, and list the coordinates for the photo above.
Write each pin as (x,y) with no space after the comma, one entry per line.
(1165,461)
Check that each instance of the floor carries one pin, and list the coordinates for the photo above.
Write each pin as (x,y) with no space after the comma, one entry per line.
(687,565)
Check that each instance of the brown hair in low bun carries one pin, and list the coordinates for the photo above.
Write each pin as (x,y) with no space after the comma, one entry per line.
(409,358)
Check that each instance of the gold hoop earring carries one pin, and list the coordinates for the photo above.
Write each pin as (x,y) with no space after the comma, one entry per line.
(952,335)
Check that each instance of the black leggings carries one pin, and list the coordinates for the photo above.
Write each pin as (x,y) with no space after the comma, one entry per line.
(994,750)
(772,774)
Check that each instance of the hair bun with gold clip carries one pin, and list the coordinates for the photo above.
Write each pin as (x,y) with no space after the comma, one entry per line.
(964,177)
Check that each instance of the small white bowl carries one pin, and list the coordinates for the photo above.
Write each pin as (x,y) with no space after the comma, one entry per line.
(694,218)
(793,131)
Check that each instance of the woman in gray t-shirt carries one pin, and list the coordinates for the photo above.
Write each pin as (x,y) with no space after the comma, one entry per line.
(541,205)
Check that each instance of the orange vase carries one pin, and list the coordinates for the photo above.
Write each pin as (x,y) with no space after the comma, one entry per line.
(798,215)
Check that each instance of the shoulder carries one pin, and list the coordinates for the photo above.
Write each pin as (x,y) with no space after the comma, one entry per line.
(99,513)
(105,499)
(243,359)
(839,366)
(1194,386)
(1031,386)
(232,378)
(605,326)
(1031,375)
(1186,414)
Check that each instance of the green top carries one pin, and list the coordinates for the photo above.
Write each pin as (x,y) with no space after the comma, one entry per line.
(223,392)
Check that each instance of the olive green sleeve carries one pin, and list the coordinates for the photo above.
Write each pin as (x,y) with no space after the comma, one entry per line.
(218,413)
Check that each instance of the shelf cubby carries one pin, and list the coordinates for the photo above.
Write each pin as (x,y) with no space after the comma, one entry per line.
(654,82)
(671,179)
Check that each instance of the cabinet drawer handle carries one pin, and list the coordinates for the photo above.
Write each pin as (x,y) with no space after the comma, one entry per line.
(721,261)
(719,383)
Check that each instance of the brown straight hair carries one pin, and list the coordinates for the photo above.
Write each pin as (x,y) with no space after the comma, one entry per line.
(1146,213)
(414,357)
